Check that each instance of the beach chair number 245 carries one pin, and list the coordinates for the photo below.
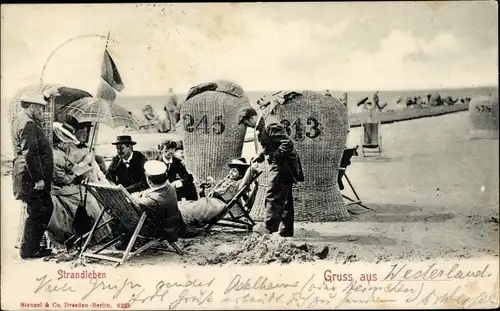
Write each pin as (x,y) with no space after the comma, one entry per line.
(217,126)
(311,129)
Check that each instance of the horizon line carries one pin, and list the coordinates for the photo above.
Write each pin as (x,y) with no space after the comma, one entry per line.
(324,89)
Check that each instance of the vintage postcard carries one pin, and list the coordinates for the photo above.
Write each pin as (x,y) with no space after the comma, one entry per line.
(249,156)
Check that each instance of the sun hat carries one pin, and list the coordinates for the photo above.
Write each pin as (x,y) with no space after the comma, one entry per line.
(63,134)
(238,163)
(33,97)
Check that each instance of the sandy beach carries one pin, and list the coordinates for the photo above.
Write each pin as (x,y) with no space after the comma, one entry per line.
(434,194)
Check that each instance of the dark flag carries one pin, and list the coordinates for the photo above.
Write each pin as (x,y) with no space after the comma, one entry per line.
(110,74)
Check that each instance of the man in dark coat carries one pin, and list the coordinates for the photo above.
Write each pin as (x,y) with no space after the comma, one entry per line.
(177,173)
(127,167)
(32,174)
(285,169)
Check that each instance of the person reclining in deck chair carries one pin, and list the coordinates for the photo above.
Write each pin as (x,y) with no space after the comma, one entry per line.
(227,188)
(160,204)
(213,198)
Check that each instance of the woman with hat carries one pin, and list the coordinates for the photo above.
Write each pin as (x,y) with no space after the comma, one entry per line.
(198,213)
(82,153)
(68,193)
(228,187)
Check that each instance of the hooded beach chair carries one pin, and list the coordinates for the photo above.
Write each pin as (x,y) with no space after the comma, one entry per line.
(236,212)
(371,139)
(345,161)
(118,203)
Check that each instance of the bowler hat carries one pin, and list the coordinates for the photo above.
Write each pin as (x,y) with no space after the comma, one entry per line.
(33,97)
(124,139)
(245,113)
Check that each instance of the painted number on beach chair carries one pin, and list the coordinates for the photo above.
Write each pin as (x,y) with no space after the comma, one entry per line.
(202,125)
(312,128)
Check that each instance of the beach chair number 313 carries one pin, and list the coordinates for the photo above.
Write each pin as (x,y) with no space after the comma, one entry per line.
(311,129)
(190,124)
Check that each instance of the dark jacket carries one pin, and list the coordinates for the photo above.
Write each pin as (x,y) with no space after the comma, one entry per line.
(132,178)
(33,158)
(278,146)
(161,207)
(177,171)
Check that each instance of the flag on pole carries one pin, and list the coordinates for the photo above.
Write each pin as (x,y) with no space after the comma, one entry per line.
(110,74)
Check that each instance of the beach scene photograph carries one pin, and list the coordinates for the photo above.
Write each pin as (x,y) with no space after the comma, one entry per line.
(279,137)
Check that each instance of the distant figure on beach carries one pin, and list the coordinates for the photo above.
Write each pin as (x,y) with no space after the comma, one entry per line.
(327,93)
(172,109)
(153,121)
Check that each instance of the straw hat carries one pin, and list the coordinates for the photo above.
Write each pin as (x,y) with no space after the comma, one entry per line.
(63,134)
(238,163)
(33,97)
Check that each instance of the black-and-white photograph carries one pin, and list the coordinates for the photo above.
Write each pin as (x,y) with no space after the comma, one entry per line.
(278,136)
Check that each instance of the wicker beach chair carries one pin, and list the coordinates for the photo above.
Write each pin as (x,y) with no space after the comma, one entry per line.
(371,139)
(345,161)
(236,213)
(122,207)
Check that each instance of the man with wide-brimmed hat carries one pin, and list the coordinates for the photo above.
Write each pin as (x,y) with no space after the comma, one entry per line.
(127,167)
(32,174)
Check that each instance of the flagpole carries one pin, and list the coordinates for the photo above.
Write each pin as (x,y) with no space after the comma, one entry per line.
(96,126)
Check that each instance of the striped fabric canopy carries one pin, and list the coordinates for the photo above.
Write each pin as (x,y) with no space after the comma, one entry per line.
(89,109)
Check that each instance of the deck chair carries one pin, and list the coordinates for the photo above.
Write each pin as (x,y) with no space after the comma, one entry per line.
(120,205)
(236,213)
(371,139)
(345,161)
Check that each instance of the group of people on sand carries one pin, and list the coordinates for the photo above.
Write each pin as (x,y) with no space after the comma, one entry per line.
(51,180)
(152,122)
(431,100)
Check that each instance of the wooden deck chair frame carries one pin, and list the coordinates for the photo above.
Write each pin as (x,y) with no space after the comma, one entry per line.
(244,222)
(368,148)
(122,207)
(344,163)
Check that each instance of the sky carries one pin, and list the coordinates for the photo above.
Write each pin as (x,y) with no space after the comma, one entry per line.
(261,46)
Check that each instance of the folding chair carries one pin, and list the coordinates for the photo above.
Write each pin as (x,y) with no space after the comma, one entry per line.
(344,163)
(371,139)
(122,207)
(243,202)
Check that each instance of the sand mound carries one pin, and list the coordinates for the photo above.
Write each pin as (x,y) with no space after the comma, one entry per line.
(250,249)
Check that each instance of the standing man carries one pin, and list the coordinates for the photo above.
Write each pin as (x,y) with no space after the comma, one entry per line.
(284,171)
(127,167)
(172,109)
(32,174)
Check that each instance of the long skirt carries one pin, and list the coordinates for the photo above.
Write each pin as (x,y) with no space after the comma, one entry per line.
(201,212)
(61,225)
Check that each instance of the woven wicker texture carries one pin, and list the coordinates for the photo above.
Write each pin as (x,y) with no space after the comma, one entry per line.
(212,137)
(318,127)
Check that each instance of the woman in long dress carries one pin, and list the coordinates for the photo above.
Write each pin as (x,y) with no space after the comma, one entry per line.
(68,192)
